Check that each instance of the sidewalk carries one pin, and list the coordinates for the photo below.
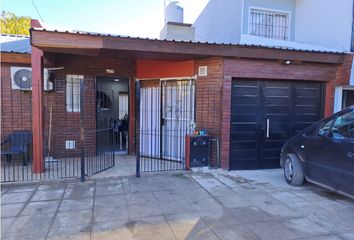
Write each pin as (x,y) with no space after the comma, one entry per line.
(174,206)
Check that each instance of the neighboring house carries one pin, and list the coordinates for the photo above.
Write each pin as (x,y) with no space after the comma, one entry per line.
(298,24)
(15,105)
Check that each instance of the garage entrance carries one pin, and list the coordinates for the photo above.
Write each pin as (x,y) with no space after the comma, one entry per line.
(264,114)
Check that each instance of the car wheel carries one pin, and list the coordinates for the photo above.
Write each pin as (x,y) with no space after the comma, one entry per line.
(293,170)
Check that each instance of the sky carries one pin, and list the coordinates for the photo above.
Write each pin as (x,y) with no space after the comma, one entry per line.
(139,18)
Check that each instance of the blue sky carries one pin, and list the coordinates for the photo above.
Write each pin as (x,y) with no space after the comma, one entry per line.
(143,18)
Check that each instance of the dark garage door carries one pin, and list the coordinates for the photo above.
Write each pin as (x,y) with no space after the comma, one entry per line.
(265,114)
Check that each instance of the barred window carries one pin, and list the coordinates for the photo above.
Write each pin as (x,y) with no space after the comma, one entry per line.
(73,93)
(269,24)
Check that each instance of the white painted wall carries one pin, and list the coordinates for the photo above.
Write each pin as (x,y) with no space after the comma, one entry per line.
(325,23)
(220,22)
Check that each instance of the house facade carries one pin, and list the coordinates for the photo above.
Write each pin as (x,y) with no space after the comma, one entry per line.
(142,96)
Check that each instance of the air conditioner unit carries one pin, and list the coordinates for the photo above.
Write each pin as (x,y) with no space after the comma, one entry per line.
(21,78)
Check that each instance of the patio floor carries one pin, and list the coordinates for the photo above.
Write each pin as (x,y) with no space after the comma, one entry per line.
(175,206)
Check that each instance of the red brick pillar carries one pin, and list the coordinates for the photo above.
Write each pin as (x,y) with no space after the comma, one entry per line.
(37,109)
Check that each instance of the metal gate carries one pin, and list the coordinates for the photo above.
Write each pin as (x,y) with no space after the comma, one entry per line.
(165,115)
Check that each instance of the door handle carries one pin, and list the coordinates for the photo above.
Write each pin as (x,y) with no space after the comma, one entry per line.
(268,126)
(350,154)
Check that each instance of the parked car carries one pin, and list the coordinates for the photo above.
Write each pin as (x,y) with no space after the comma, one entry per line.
(323,154)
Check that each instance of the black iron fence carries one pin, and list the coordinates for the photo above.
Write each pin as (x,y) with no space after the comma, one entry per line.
(70,132)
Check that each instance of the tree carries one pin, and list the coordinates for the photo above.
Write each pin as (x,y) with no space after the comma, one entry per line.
(12,24)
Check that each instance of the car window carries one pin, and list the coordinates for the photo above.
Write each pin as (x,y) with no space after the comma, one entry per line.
(310,131)
(324,129)
(343,126)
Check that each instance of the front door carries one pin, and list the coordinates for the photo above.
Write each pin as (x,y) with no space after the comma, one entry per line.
(112,116)
(265,114)
(166,116)
(177,116)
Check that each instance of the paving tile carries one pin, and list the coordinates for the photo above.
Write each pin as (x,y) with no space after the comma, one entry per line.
(216,219)
(160,236)
(11,210)
(26,188)
(175,207)
(37,225)
(5,225)
(111,214)
(233,201)
(328,237)
(68,205)
(250,214)
(199,232)
(304,227)
(235,232)
(185,221)
(44,207)
(53,186)
(149,226)
(76,232)
(109,189)
(110,201)
(112,230)
(16,197)
(73,218)
(48,195)
(77,192)
(143,210)
(168,195)
(140,197)
(271,231)
(347,235)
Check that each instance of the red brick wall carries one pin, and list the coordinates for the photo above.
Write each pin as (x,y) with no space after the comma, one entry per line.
(341,78)
(209,101)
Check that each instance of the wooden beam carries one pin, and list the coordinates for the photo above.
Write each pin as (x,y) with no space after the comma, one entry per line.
(37,110)
(23,58)
(58,41)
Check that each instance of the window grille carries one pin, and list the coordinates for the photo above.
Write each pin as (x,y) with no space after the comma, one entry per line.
(73,93)
(269,24)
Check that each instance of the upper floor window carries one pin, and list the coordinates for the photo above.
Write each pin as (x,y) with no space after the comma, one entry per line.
(269,24)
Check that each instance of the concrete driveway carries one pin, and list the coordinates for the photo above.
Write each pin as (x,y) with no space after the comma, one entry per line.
(218,205)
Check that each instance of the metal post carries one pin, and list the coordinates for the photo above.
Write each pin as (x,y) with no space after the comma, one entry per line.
(137,126)
(82,129)
(113,128)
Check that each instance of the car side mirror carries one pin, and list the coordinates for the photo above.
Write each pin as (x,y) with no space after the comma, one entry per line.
(325,133)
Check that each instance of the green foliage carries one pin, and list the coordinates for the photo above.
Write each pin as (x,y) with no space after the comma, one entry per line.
(12,24)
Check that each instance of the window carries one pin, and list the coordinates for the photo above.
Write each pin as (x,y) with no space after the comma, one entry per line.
(269,24)
(73,92)
(325,128)
(343,127)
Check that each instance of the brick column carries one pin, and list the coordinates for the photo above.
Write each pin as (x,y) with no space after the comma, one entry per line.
(37,109)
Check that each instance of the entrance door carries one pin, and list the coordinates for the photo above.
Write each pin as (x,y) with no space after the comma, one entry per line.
(166,116)
(177,116)
(112,115)
(265,114)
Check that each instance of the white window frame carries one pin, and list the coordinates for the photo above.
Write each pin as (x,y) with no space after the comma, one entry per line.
(72,92)
(271,10)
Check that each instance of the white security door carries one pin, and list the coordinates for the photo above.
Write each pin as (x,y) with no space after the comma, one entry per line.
(177,117)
